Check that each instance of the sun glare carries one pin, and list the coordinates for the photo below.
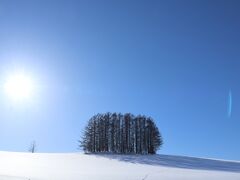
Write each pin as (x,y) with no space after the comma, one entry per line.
(19,87)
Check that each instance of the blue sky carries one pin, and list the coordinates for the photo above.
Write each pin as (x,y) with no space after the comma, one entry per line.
(176,61)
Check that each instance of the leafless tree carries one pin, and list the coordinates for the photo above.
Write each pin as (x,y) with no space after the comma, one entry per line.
(32,147)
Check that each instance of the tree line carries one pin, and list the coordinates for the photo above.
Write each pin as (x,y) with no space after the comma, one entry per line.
(121,133)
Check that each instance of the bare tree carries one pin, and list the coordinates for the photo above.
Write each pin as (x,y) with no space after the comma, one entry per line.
(32,147)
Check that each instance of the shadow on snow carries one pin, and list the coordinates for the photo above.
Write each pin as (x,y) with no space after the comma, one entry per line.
(177,162)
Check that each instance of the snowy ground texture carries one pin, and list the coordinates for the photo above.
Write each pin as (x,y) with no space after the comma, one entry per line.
(76,166)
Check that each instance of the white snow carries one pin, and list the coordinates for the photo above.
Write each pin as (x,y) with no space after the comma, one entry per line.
(77,166)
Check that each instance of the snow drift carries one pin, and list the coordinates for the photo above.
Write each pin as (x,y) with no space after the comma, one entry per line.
(76,166)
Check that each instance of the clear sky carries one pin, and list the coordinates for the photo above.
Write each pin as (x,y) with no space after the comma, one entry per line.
(176,61)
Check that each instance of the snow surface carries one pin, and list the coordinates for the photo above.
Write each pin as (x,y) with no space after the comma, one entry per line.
(77,166)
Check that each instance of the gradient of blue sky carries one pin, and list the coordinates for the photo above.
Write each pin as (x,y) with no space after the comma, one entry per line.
(173,60)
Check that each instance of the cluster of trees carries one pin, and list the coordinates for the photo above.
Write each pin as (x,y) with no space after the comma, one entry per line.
(121,133)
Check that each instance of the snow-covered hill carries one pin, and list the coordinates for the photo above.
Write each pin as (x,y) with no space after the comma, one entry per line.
(76,166)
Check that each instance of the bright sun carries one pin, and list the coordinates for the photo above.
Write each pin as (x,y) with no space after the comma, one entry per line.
(19,87)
